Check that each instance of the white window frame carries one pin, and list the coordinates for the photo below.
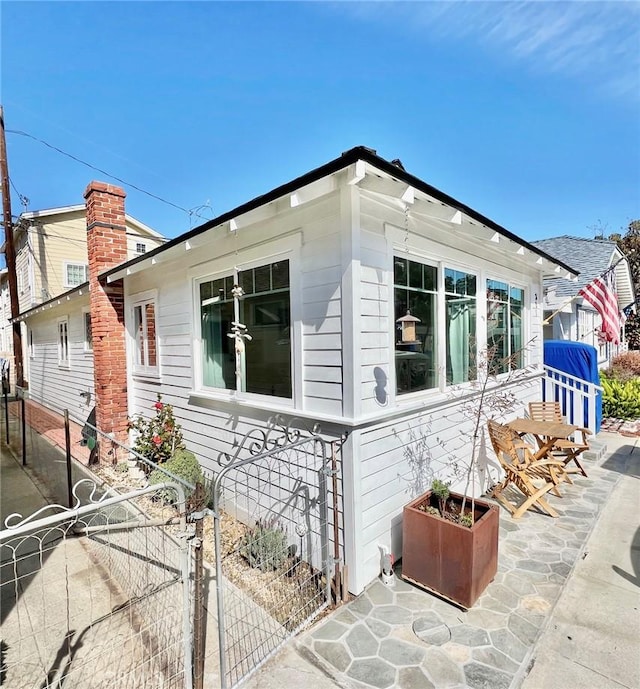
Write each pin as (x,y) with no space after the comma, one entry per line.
(140,301)
(441,265)
(88,345)
(142,250)
(63,342)
(511,283)
(75,264)
(233,272)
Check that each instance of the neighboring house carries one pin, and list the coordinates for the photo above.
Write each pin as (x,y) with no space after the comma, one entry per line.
(51,257)
(577,320)
(329,263)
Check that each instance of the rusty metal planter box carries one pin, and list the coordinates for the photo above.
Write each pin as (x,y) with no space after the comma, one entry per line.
(453,561)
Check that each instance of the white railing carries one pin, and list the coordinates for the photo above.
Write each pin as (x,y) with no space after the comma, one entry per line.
(577,397)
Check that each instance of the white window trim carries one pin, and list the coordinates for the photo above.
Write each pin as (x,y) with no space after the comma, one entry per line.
(66,274)
(87,349)
(223,268)
(526,316)
(141,299)
(63,362)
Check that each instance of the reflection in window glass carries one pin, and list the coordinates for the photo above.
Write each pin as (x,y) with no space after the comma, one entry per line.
(460,326)
(416,361)
(505,328)
(265,310)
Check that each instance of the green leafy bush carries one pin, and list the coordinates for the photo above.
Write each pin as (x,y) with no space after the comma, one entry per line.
(620,399)
(185,466)
(158,437)
(265,547)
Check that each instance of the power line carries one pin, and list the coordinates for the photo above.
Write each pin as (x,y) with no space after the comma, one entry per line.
(190,213)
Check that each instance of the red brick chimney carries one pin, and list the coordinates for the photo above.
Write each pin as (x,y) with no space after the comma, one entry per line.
(107,247)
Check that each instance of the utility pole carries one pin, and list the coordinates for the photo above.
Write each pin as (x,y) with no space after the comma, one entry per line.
(10,255)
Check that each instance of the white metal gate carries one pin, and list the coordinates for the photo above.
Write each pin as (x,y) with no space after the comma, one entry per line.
(273,574)
(91,598)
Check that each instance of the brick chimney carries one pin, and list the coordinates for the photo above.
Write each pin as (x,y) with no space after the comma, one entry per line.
(107,247)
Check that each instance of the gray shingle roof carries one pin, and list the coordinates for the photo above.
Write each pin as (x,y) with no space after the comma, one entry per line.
(591,257)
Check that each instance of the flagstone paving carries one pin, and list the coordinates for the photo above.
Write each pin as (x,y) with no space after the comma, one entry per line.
(403,637)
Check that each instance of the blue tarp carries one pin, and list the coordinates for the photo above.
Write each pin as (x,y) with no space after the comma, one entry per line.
(579,360)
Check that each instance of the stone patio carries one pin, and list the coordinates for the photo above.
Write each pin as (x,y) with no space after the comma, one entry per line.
(403,637)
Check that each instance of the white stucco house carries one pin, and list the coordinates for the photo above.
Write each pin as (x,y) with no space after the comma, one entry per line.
(329,262)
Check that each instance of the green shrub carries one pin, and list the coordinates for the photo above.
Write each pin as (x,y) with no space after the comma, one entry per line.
(185,466)
(265,547)
(620,399)
(440,491)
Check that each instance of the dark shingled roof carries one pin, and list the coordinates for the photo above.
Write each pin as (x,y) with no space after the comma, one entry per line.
(589,256)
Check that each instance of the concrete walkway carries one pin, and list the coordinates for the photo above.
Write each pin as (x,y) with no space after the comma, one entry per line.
(562,611)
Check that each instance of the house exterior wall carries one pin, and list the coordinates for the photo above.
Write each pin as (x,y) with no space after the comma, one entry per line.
(52,384)
(340,239)
(341,250)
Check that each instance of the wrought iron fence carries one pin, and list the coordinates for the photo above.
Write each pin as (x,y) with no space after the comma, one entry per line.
(273,554)
(92,598)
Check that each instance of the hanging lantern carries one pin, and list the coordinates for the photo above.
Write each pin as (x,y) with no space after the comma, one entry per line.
(408,328)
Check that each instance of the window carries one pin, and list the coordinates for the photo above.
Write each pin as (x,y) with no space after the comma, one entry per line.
(416,294)
(31,350)
(265,360)
(63,342)
(505,329)
(75,274)
(460,300)
(145,338)
(88,337)
(141,248)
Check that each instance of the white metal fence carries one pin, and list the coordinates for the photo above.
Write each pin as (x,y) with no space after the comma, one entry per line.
(92,598)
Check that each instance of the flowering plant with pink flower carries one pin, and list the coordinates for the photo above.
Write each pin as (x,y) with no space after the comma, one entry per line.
(157,437)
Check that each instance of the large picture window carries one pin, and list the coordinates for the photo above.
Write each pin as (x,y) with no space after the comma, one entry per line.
(505,328)
(417,293)
(265,360)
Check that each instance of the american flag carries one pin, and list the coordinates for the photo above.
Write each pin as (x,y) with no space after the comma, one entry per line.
(601,294)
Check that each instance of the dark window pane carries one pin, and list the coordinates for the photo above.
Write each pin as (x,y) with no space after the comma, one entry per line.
(280,274)
(400,271)
(471,285)
(449,280)
(263,279)
(228,286)
(246,281)
(430,277)
(205,290)
(415,275)
(268,354)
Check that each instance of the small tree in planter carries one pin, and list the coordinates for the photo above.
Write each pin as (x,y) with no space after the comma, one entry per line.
(450,540)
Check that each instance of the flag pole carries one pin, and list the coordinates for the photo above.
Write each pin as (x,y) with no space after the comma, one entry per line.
(557,311)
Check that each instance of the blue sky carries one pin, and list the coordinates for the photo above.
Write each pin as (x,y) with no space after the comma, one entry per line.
(527,112)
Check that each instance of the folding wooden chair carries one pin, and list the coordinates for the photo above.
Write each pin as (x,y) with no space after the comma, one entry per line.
(523,472)
(568,450)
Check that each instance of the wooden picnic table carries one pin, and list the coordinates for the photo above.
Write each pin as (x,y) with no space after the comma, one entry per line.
(546,433)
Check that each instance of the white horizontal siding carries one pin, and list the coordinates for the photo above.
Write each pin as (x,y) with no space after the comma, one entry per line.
(56,386)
